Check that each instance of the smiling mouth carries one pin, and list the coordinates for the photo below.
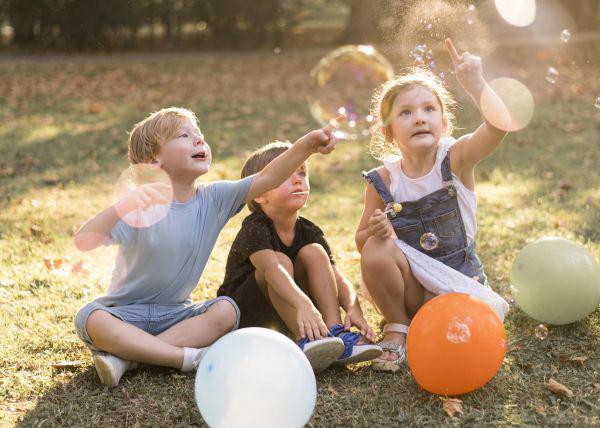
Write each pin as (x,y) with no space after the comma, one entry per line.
(300,193)
(201,156)
(416,134)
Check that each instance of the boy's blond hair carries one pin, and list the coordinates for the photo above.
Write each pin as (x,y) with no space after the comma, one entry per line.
(147,136)
(383,101)
(261,158)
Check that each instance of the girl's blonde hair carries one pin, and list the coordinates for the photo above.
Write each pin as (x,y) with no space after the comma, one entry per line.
(383,101)
(146,136)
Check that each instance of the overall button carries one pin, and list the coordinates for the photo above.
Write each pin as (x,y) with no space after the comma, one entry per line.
(451,192)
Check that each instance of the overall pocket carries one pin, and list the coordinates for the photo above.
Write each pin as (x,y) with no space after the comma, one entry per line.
(450,232)
(410,234)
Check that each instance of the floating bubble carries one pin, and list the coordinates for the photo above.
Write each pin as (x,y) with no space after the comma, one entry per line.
(597,103)
(565,35)
(344,80)
(471,7)
(159,190)
(470,20)
(552,75)
(429,54)
(429,241)
(432,65)
(442,75)
(507,104)
(541,332)
(458,330)
(520,13)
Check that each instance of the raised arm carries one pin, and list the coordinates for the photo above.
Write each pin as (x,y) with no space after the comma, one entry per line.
(472,148)
(279,169)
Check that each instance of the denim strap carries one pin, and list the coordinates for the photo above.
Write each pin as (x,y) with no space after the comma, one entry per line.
(375,179)
(446,171)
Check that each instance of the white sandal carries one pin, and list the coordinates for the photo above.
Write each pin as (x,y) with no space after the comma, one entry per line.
(381,364)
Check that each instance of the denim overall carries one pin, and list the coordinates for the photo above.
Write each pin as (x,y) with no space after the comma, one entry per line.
(437,213)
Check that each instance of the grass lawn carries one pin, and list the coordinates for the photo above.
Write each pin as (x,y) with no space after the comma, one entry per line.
(63,123)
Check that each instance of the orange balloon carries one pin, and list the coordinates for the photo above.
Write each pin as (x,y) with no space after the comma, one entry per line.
(456,344)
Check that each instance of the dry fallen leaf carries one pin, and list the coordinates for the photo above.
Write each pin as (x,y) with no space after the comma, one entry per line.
(540,410)
(597,387)
(53,264)
(452,406)
(331,390)
(79,268)
(558,388)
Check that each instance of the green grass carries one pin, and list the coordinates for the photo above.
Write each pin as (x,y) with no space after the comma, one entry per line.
(63,124)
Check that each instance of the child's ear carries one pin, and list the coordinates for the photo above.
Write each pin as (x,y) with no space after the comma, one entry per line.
(261,200)
(386,132)
(444,125)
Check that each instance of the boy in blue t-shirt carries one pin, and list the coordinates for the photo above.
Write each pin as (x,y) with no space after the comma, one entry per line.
(147,315)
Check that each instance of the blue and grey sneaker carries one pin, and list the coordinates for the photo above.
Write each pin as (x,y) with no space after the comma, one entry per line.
(321,352)
(353,351)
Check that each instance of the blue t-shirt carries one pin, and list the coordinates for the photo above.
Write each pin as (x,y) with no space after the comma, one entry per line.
(163,263)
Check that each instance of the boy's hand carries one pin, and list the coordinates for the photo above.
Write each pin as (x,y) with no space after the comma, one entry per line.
(379,225)
(355,317)
(310,322)
(144,196)
(322,140)
(468,70)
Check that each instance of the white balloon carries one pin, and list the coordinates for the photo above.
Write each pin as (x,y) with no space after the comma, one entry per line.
(255,377)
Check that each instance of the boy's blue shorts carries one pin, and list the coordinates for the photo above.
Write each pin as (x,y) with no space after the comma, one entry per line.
(152,318)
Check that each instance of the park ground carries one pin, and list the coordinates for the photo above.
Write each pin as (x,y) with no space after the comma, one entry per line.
(63,124)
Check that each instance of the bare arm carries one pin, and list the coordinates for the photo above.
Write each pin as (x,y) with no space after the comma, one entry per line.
(309,320)
(349,302)
(96,230)
(470,149)
(267,263)
(279,169)
(373,221)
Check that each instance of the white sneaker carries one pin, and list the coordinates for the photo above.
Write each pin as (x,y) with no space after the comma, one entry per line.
(321,353)
(110,368)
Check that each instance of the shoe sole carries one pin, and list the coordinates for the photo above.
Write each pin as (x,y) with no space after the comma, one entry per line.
(104,370)
(323,353)
(367,354)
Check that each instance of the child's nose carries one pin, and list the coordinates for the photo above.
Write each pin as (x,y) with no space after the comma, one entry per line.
(200,139)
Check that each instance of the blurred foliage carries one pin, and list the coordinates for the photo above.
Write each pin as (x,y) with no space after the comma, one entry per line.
(232,24)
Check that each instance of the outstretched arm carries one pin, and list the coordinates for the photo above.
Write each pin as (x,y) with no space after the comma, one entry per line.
(472,148)
(279,169)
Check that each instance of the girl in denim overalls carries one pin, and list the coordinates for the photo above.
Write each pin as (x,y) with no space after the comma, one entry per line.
(424,195)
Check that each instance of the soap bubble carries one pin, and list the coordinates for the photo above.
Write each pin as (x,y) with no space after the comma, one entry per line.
(161,193)
(597,103)
(565,35)
(541,332)
(552,75)
(343,81)
(508,105)
(520,13)
(429,241)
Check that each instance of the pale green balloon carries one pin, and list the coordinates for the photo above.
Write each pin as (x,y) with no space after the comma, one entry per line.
(555,281)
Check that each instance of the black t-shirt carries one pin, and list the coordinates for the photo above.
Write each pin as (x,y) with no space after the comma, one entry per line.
(258,233)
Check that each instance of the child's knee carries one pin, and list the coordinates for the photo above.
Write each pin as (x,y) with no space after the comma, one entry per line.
(377,253)
(285,262)
(313,253)
(225,313)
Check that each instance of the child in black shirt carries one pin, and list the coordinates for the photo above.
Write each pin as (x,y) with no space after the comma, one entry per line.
(281,273)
